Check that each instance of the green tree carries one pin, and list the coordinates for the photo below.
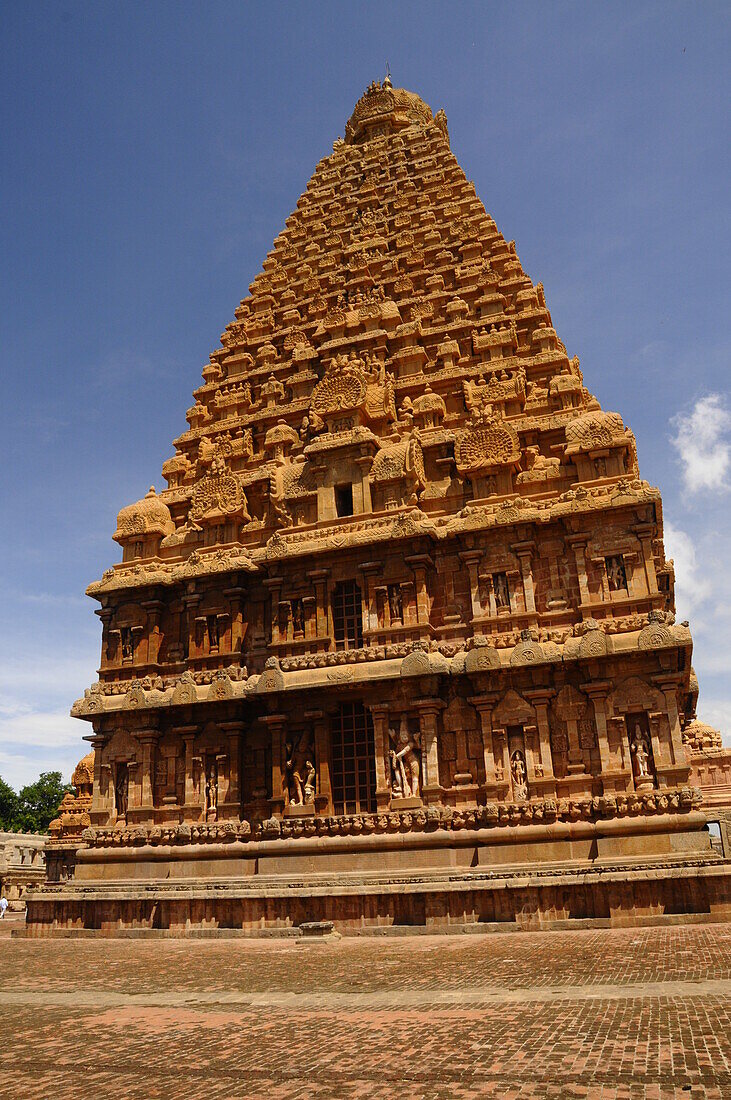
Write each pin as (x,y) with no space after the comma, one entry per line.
(8,806)
(39,801)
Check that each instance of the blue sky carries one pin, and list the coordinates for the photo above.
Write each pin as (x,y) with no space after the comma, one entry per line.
(149,154)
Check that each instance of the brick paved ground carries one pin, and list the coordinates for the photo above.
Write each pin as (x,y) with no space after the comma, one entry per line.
(626,1013)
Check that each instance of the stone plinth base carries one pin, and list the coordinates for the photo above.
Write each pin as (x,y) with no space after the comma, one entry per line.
(467,900)
(621,871)
(408,802)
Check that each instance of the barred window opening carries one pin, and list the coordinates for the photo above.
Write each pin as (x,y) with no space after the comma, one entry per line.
(353,760)
(347,615)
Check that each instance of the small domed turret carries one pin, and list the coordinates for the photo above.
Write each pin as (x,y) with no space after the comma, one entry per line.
(149,516)
(383,109)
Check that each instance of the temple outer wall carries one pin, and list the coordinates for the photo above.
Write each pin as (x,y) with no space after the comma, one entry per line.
(22,866)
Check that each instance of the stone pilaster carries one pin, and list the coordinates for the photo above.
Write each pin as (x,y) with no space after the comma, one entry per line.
(428,711)
(540,699)
(231,805)
(379,712)
(321,732)
(276,725)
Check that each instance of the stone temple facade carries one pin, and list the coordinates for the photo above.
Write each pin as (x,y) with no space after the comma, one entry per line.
(396,645)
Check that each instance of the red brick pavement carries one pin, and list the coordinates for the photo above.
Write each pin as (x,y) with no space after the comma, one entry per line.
(614,1013)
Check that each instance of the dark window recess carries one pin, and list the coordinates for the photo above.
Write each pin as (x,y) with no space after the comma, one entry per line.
(353,758)
(344,500)
(616,573)
(127,640)
(137,550)
(347,615)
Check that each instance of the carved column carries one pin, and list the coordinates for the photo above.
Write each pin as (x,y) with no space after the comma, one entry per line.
(428,709)
(232,804)
(105,614)
(323,797)
(524,552)
(679,770)
(531,748)
(276,724)
(147,739)
(154,638)
(309,605)
(578,544)
(636,580)
(471,559)
(274,584)
(100,802)
(235,595)
(370,570)
(191,807)
(364,463)
(540,699)
(598,692)
(420,563)
(484,704)
(379,712)
(645,533)
(502,759)
(190,600)
(319,580)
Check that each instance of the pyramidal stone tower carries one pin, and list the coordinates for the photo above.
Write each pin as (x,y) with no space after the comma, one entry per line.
(396,644)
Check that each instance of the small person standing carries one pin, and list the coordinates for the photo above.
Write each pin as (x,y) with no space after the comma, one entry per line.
(3,906)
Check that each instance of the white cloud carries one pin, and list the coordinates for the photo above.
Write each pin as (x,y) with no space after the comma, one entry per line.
(24,726)
(716,713)
(703,441)
(37,688)
(691,588)
(19,769)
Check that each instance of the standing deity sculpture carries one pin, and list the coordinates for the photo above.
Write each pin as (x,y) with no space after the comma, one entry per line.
(405,762)
(519,773)
(300,771)
(212,793)
(641,759)
(395,603)
(121,791)
(502,592)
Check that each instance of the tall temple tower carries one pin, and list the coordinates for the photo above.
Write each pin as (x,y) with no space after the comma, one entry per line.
(403,610)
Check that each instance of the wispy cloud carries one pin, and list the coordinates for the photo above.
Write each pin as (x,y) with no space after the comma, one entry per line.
(37,687)
(717,713)
(702,438)
(692,587)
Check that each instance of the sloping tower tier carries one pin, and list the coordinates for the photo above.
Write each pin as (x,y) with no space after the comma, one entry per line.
(396,645)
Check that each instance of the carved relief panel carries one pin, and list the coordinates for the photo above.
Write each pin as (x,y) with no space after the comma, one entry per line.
(461,755)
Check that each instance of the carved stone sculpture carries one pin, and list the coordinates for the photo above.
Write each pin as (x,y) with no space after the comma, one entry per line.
(301,771)
(405,762)
(519,775)
(641,757)
(121,791)
(212,792)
